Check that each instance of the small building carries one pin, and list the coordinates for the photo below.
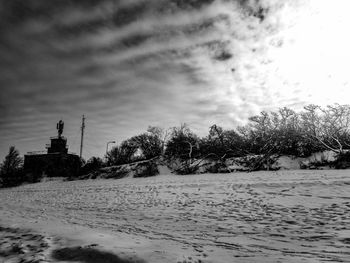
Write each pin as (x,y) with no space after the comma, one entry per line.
(57,162)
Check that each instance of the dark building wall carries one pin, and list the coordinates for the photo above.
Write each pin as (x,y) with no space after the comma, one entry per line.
(58,145)
(51,165)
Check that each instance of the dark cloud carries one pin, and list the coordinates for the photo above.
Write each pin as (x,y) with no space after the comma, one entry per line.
(188,4)
(256,8)
(223,55)
(126,15)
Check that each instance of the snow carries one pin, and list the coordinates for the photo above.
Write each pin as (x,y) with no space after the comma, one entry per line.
(283,216)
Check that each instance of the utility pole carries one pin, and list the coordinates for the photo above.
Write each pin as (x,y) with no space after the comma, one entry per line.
(107,146)
(82,135)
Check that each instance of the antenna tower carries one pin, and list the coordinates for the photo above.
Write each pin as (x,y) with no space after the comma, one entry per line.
(82,135)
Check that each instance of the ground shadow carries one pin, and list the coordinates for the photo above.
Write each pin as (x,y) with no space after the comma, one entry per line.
(90,255)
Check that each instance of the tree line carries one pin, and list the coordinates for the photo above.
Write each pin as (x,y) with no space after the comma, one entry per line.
(280,132)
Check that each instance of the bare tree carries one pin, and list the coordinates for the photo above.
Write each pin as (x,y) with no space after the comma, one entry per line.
(162,135)
(182,142)
(328,126)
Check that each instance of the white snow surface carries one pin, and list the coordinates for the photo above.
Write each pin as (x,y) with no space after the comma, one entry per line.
(283,216)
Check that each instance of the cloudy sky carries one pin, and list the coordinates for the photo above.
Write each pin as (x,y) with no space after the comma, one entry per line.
(128,64)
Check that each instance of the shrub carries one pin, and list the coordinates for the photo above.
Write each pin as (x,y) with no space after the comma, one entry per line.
(92,165)
(183,144)
(343,161)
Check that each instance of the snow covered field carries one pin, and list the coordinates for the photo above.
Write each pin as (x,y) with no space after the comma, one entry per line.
(283,216)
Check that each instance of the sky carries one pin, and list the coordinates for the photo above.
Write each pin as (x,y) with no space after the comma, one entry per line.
(128,64)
